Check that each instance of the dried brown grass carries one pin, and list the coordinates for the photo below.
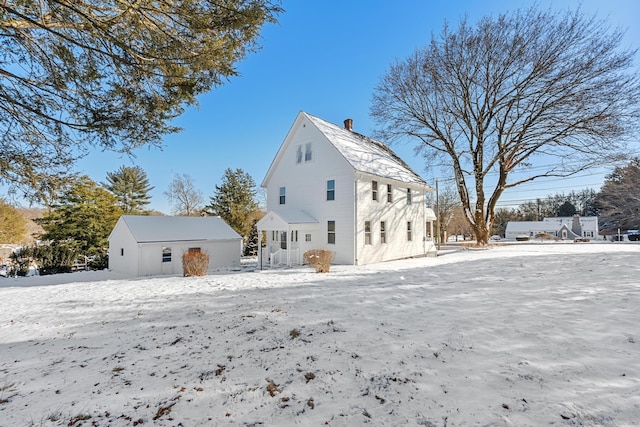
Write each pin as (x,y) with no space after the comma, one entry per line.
(195,263)
(320,259)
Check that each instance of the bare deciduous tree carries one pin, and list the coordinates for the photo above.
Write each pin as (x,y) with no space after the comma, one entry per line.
(492,98)
(184,197)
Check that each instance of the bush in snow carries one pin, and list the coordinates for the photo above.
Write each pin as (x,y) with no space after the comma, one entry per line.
(319,259)
(195,263)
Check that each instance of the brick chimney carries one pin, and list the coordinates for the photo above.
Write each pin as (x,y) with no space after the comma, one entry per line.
(348,124)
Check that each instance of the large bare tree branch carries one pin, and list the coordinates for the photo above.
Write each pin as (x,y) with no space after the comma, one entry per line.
(496,96)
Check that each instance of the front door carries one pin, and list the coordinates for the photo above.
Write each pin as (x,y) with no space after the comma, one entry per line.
(283,240)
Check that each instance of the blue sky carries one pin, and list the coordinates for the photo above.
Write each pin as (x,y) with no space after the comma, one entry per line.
(325,58)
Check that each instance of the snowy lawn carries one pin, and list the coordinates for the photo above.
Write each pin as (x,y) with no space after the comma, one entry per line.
(523,335)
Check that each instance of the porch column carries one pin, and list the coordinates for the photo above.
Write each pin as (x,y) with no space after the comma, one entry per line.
(260,248)
(289,245)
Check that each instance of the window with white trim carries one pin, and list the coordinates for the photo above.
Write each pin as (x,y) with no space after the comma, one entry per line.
(331,189)
(298,154)
(409,234)
(383,232)
(367,232)
(331,232)
(389,194)
(283,193)
(374,190)
(408,196)
(307,152)
(307,237)
(166,254)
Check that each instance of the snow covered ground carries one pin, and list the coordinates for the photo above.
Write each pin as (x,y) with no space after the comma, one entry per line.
(523,335)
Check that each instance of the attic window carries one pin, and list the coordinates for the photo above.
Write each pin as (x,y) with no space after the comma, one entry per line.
(389,194)
(299,154)
(307,152)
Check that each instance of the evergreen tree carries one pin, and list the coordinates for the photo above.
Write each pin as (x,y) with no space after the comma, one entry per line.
(13,226)
(109,73)
(566,209)
(235,201)
(251,247)
(619,198)
(85,217)
(131,187)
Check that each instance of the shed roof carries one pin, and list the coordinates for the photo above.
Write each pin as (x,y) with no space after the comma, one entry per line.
(149,229)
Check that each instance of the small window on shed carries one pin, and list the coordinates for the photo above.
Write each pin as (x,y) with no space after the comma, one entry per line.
(166,254)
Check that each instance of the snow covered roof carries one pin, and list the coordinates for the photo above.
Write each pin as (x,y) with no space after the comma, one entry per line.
(284,218)
(148,229)
(366,154)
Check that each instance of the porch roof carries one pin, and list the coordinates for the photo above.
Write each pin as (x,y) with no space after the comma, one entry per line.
(283,219)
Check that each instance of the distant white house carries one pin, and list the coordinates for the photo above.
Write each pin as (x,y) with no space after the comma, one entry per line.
(563,228)
(331,188)
(153,245)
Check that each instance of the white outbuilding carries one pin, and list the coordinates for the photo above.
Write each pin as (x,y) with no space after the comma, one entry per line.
(154,245)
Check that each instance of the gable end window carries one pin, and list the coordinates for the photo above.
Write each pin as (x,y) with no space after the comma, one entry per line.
(283,192)
(409,235)
(331,232)
(408,196)
(331,189)
(389,194)
(307,152)
(298,154)
(374,190)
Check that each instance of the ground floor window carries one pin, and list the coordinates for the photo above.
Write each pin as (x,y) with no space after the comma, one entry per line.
(166,254)
(307,237)
(331,232)
(383,232)
(367,232)
(409,235)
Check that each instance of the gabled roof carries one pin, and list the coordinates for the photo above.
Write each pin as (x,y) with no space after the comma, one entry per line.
(281,219)
(149,229)
(364,154)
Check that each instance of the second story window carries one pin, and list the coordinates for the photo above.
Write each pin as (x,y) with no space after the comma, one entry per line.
(408,196)
(374,190)
(389,194)
(283,192)
(331,189)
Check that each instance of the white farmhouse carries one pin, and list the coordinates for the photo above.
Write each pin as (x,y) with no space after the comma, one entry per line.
(563,228)
(331,188)
(153,245)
